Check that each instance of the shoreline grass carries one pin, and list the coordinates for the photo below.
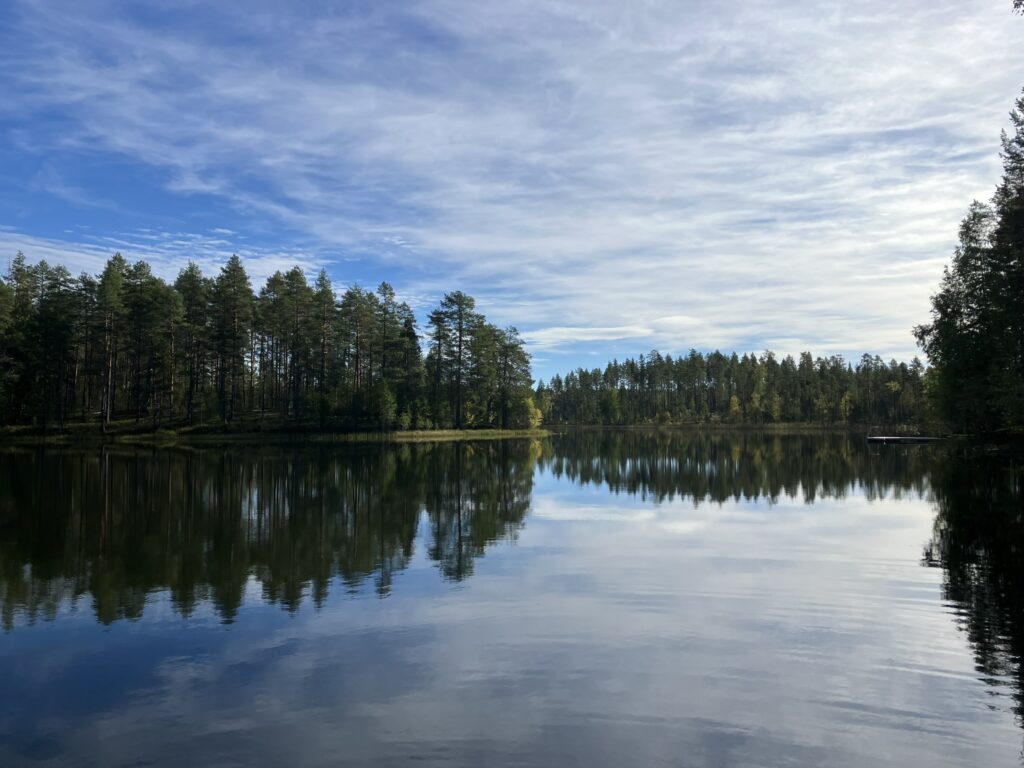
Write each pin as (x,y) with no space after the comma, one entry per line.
(91,435)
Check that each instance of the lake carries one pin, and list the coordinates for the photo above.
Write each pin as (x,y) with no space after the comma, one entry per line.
(602,598)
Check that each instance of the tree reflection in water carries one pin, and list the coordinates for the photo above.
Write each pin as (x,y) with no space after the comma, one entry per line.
(119,524)
(978,541)
(108,528)
(721,467)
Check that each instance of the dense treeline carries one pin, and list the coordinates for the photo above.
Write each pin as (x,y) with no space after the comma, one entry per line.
(719,388)
(127,345)
(975,342)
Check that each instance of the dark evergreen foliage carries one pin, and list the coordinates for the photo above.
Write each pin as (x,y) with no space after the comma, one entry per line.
(719,388)
(126,345)
(975,342)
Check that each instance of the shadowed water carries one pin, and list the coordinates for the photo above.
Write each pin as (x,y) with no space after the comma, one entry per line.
(595,599)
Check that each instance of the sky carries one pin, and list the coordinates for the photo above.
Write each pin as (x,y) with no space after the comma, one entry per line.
(608,177)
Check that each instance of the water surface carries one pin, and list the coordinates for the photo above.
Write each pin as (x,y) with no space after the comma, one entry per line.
(596,599)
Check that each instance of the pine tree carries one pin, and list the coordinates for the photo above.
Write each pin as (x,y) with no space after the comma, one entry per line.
(410,388)
(232,310)
(6,335)
(1008,291)
(127,343)
(111,304)
(325,318)
(195,291)
(513,375)
(975,341)
(459,315)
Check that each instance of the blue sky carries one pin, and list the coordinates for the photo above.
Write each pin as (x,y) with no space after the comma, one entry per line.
(609,177)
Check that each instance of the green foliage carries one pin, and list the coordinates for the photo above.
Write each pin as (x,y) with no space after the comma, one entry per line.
(193,333)
(735,412)
(232,314)
(975,341)
(524,414)
(6,323)
(384,407)
(127,346)
(477,371)
(405,421)
(715,388)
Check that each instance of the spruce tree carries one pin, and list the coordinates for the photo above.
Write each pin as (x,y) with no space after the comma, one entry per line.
(195,291)
(232,310)
(975,341)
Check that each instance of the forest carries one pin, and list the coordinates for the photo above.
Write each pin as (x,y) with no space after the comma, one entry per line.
(975,340)
(126,346)
(731,389)
(974,383)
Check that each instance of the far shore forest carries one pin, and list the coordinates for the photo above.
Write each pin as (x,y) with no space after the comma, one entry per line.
(126,350)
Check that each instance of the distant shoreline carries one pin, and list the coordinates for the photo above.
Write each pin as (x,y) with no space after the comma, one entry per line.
(249,433)
(92,435)
(709,426)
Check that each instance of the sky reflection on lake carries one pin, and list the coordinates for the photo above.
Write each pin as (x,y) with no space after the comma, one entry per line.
(603,599)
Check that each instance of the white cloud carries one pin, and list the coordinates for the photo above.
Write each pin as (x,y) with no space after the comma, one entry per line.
(166,252)
(676,174)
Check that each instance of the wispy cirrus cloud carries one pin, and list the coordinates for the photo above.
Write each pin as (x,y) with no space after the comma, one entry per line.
(786,174)
(166,252)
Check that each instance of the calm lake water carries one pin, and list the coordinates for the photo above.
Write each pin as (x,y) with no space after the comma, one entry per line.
(603,599)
